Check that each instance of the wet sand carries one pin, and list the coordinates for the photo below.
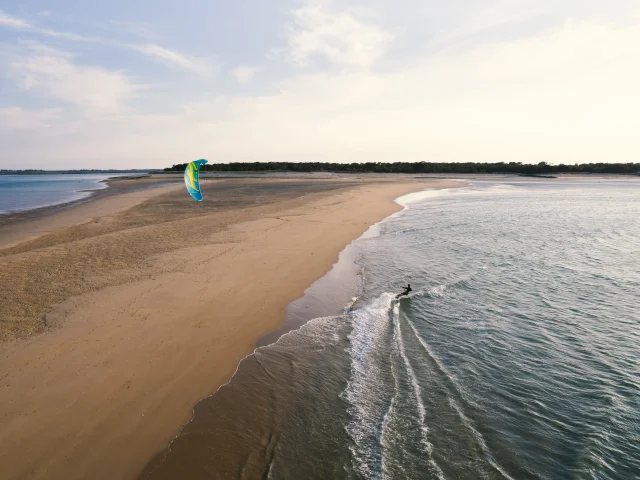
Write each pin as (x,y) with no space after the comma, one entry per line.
(151,302)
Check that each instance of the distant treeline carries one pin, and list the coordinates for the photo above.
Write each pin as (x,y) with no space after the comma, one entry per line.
(541,168)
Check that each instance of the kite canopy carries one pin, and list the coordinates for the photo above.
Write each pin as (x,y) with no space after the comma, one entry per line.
(191,179)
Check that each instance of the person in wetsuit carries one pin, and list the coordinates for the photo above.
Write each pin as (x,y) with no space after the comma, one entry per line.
(407,291)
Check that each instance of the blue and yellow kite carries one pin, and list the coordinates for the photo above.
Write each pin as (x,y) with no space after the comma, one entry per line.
(191,180)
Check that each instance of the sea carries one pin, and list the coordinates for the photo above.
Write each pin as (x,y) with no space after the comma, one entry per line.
(516,356)
(27,192)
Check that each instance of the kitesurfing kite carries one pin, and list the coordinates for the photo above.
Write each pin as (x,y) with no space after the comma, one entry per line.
(191,179)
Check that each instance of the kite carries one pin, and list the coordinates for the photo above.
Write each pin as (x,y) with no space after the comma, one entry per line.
(191,179)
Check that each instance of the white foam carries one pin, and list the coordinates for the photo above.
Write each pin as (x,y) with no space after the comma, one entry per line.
(438,291)
(499,189)
(406,200)
(366,406)
(416,391)
(385,421)
(371,232)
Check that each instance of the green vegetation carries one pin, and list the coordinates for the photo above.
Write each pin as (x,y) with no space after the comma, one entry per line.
(541,168)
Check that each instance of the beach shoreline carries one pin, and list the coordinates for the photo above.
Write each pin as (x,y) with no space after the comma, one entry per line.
(106,189)
(168,304)
(26,224)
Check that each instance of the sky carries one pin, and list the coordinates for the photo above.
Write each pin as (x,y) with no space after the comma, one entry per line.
(149,84)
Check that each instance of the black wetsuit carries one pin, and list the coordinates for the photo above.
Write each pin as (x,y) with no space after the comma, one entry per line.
(407,291)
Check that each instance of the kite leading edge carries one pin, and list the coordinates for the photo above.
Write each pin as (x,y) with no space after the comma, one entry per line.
(191,179)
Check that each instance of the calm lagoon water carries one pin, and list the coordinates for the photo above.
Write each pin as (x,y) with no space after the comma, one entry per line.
(26,192)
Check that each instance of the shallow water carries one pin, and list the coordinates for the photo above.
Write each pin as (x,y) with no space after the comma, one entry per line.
(26,192)
(516,356)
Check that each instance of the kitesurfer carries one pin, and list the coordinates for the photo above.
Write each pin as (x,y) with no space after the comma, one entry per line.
(407,290)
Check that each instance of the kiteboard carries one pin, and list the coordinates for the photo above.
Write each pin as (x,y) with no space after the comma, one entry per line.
(351,304)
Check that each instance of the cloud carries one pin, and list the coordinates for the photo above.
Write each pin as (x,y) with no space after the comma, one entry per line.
(139,29)
(244,74)
(569,96)
(559,92)
(13,22)
(339,37)
(484,21)
(173,58)
(163,55)
(53,73)
(17,118)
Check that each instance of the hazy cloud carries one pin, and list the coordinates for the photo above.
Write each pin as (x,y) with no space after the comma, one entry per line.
(173,58)
(156,52)
(18,118)
(244,74)
(53,73)
(338,36)
(13,22)
(413,80)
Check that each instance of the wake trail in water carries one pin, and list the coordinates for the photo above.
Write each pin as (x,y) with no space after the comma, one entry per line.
(416,390)
(375,338)
(456,391)
(366,394)
(386,420)
(441,290)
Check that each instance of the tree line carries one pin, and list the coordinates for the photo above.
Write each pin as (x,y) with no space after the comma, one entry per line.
(541,168)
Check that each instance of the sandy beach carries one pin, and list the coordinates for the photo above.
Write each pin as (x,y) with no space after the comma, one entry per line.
(151,300)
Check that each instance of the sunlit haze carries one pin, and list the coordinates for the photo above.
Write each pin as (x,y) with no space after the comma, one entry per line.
(124,84)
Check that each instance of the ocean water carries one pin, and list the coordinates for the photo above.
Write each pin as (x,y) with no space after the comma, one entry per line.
(516,356)
(26,192)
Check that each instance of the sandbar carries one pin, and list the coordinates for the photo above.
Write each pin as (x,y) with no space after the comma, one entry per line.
(150,303)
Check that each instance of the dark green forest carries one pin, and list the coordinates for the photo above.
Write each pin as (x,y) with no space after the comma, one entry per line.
(541,168)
